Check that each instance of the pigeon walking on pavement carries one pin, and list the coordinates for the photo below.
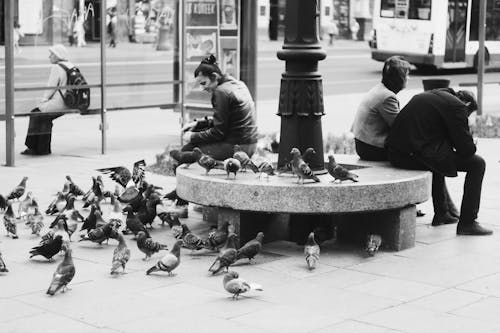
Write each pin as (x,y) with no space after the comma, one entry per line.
(121,255)
(311,252)
(251,248)
(190,240)
(233,284)
(57,205)
(300,168)
(169,262)
(18,191)
(10,221)
(63,274)
(3,267)
(226,257)
(373,242)
(217,237)
(73,188)
(338,172)
(133,223)
(48,249)
(148,246)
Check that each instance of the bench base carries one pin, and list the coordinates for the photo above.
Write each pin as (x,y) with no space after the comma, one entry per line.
(396,226)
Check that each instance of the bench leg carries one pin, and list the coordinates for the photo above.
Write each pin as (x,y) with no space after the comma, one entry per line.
(247,224)
(210,214)
(396,226)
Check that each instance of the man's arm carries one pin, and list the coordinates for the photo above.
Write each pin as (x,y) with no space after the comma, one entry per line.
(389,109)
(220,121)
(458,129)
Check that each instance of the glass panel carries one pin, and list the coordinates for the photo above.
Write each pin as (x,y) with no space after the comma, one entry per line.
(420,10)
(492,20)
(140,53)
(387,8)
(53,34)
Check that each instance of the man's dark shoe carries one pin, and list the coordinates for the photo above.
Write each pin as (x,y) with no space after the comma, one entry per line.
(472,229)
(440,219)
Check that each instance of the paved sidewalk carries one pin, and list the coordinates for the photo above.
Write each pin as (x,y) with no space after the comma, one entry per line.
(445,284)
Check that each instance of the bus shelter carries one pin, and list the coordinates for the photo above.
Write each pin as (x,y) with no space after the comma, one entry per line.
(158,44)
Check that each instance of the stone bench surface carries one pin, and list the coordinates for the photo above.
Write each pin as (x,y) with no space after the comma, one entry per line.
(380,187)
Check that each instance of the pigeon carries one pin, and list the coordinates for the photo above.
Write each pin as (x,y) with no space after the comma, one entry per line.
(71,212)
(244,159)
(185,157)
(190,240)
(338,172)
(9,221)
(35,221)
(18,191)
(251,248)
(116,214)
(90,221)
(169,262)
(122,175)
(63,274)
(300,168)
(226,257)
(148,212)
(48,249)
(121,255)
(232,165)
(236,286)
(130,194)
(73,188)
(57,205)
(25,205)
(306,156)
(217,238)
(207,162)
(61,222)
(3,203)
(267,168)
(148,246)
(133,223)
(311,251)
(100,234)
(173,222)
(373,242)
(3,267)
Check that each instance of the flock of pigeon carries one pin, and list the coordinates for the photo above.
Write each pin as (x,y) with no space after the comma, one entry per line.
(260,164)
(142,203)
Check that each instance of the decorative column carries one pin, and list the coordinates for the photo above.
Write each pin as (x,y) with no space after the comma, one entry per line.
(301,92)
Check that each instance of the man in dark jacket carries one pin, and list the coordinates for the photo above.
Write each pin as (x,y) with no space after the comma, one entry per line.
(432,133)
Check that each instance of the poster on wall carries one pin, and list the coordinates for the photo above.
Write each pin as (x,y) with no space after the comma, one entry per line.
(200,43)
(31,16)
(201,13)
(229,15)
(211,27)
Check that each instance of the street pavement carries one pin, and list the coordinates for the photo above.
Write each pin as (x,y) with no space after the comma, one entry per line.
(446,283)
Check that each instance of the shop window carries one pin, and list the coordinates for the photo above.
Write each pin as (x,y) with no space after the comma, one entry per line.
(410,9)
(492,20)
(262,10)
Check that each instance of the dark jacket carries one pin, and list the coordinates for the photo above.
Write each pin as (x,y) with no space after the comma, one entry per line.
(234,118)
(432,128)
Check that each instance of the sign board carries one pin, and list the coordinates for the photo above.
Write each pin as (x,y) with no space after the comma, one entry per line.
(211,27)
(31,16)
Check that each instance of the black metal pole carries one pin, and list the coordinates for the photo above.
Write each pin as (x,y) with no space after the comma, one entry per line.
(248,61)
(9,83)
(103,125)
(301,92)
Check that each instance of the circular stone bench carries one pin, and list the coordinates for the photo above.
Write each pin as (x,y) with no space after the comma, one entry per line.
(383,201)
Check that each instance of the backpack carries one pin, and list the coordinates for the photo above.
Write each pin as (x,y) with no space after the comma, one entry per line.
(76,98)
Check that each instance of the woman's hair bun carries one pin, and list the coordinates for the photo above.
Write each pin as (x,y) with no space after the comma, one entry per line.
(211,60)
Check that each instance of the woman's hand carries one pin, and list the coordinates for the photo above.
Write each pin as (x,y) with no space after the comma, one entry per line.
(186,137)
(189,126)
